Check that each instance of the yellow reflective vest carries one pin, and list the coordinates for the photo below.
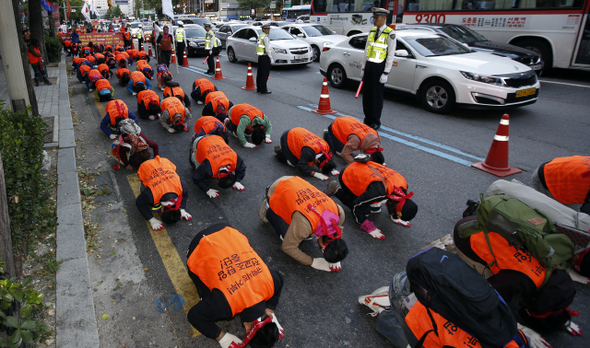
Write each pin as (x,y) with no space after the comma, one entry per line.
(377,47)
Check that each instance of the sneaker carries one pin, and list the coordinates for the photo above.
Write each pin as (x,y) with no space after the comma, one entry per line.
(325,134)
(378,301)
(332,188)
(91,90)
(199,102)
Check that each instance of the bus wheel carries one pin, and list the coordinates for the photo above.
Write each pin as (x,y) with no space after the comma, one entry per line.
(337,76)
(437,96)
(541,48)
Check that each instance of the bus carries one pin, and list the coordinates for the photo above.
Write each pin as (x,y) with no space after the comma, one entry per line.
(291,13)
(559,30)
(348,17)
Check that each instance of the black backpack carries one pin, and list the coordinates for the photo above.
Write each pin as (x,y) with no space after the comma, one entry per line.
(444,283)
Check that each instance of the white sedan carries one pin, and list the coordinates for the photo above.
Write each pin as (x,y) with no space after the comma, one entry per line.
(316,35)
(439,71)
(285,49)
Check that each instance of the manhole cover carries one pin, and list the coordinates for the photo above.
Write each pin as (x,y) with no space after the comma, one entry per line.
(48,136)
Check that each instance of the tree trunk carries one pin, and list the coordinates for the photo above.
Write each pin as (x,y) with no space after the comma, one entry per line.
(5,237)
(36,20)
(25,58)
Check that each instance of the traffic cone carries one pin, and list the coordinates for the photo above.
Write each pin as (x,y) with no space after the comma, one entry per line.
(497,161)
(142,47)
(218,74)
(150,51)
(324,105)
(184,59)
(132,46)
(173,60)
(249,80)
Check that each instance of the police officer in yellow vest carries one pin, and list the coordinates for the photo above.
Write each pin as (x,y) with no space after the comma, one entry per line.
(210,43)
(139,36)
(180,39)
(377,62)
(263,51)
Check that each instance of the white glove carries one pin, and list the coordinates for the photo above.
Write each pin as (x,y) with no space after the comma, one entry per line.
(334,172)
(321,176)
(577,277)
(573,328)
(267,139)
(238,186)
(383,78)
(276,321)
(212,193)
(113,136)
(535,340)
(152,117)
(210,52)
(362,73)
(272,61)
(156,224)
(249,145)
(134,93)
(335,267)
(322,265)
(228,340)
(184,215)
(171,130)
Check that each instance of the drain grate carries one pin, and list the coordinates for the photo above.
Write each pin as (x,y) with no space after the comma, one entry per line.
(48,136)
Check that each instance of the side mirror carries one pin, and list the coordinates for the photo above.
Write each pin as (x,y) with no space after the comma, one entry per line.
(401,53)
(300,35)
(252,39)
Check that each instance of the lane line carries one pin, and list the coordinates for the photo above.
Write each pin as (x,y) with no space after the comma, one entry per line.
(565,83)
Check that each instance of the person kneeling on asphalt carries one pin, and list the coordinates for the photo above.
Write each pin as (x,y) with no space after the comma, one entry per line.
(365,187)
(173,89)
(123,74)
(132,147)
(299,211)
(209,125)
(217,104)
(175,115)
(346,135)
(145,69)
(163,76)
(91,78)
(148,105)
(213,158)
(117,111)
(104,91)
(201,87)
(303,150)
(105,71)
(138,83)
(164,191)
(246,119)
(255,301)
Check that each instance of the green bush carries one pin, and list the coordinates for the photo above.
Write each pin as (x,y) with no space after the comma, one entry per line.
(53,48)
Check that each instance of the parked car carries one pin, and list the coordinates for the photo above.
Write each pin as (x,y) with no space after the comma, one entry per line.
(226,30)
(478,42)
(441,72)
(147,34)
(195,40)
(272,23)
(286,49)
(134,27)
(316,35)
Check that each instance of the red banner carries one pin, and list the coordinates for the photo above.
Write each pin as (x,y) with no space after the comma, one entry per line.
(104,38)
(55,15)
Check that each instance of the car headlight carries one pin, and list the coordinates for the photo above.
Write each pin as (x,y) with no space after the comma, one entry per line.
(192,44)
(483,78)
(280,50)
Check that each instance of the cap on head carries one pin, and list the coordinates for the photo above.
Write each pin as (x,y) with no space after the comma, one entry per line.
(378,11)
(266,26)
(207,25)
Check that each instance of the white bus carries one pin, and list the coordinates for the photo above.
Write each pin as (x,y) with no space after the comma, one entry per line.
(291,13)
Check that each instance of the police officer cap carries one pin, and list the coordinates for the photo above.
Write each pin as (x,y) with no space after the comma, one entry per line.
(207,25)
(266,26)
(378,11)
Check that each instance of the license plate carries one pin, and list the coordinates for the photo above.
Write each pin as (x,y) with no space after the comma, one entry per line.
(525,92)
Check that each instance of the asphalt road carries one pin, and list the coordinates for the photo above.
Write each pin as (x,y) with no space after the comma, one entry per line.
(432,151)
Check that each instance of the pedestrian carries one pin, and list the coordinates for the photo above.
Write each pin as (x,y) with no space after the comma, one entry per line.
(265,60)
(75,37)
(377,61)
(175,116)
(164,42)
(83,70)
(148,105)
(127,35)
(201,87)
(213,158)
(173,89)
(304,150)
(138,83)
(139,36)
(104,91)
(132,147)
(567,180)
(211,48)
(180,37)
(246,119)
(156,34)
(27,35)
(123,74)
(145,69)
(346,135)
(298,211)
(142,55)
(365,187)
(37,62)
(105,71)
(255,301)
(93,76)
(217,104)
(116,111)
(209,125)
(164,191)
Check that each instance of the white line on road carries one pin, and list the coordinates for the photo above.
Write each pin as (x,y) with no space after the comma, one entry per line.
(565,83)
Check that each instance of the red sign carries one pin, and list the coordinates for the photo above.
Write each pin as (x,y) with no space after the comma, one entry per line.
(104,38)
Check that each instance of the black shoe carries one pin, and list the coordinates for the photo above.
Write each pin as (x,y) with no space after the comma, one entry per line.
(47,82)
(375,126)
(266,92)
(36,82)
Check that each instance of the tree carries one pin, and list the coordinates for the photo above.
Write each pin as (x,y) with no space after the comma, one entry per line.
(116,11)
(248,4)
(77,5)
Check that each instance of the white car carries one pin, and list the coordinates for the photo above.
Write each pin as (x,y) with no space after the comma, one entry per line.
(439,71)
(285,49)
(316,35)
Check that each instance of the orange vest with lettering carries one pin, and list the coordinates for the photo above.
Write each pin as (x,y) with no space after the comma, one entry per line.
(141,64)
(77,60)
(32,58)
(173,92)
(91,59)
(568,178)
(298,138)
(102,84)
(342,127)
(94,72)
(103,67)
(357,177)
(295,194)
(84,69)
(99,56)
(205,85)
(218,100)
(219,154)
(225,260)
(207,124)
(159,175)
(117,108)
(174,106)
(148,97)
(244,109)
(506,257)
(137,76)
(120,72)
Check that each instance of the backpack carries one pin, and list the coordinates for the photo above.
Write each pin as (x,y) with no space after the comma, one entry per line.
(444,283)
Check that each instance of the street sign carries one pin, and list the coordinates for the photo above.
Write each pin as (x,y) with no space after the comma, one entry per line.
(273,4)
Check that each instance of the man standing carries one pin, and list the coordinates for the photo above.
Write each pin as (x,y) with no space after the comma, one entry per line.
(139,36)
(210,42)
(378,60)
(264,60)
(180,42)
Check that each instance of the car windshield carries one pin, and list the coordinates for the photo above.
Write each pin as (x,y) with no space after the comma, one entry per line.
(195,32)
(148,29)
(134,25)
(238,27)
(320,28)
(435,46)
(276,34)
(463,34)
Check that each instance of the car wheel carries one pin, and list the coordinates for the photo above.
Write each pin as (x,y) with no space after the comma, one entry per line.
(231,55)
(437,96)
(337,76)
(541,48)
(316,53)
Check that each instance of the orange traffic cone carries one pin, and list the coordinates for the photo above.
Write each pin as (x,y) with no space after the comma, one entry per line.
(132,46)
(497,161)
(184,59)
(324,105)
(173,57)
(150,51)
(142,47)
(218,74)
(249,80)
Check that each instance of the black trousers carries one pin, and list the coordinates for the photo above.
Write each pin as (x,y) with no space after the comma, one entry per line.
(373,93)
(180,52)
(262,73)
(165,57)
(211,62)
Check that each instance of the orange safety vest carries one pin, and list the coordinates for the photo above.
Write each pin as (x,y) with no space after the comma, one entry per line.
(109,48)
(205,85)
(84,69)
(141,64)
(142,55)
(91,59)
(343,127)
(219,154)
(137,76)
(67,43)
(77,60)
(117,108)
(174,106)
(159,175)
(93,73)
(173,92)
(99,55)
(449,334)
(207,124)
(357,177)
(103,67)
(298,137)
(506,256)
(133,53)
(148,97)
(127,35)
(225,260)
(32,58)
(218,100)
(568,178)
(244,109)
(120,72)
(102,84)
(295,194)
